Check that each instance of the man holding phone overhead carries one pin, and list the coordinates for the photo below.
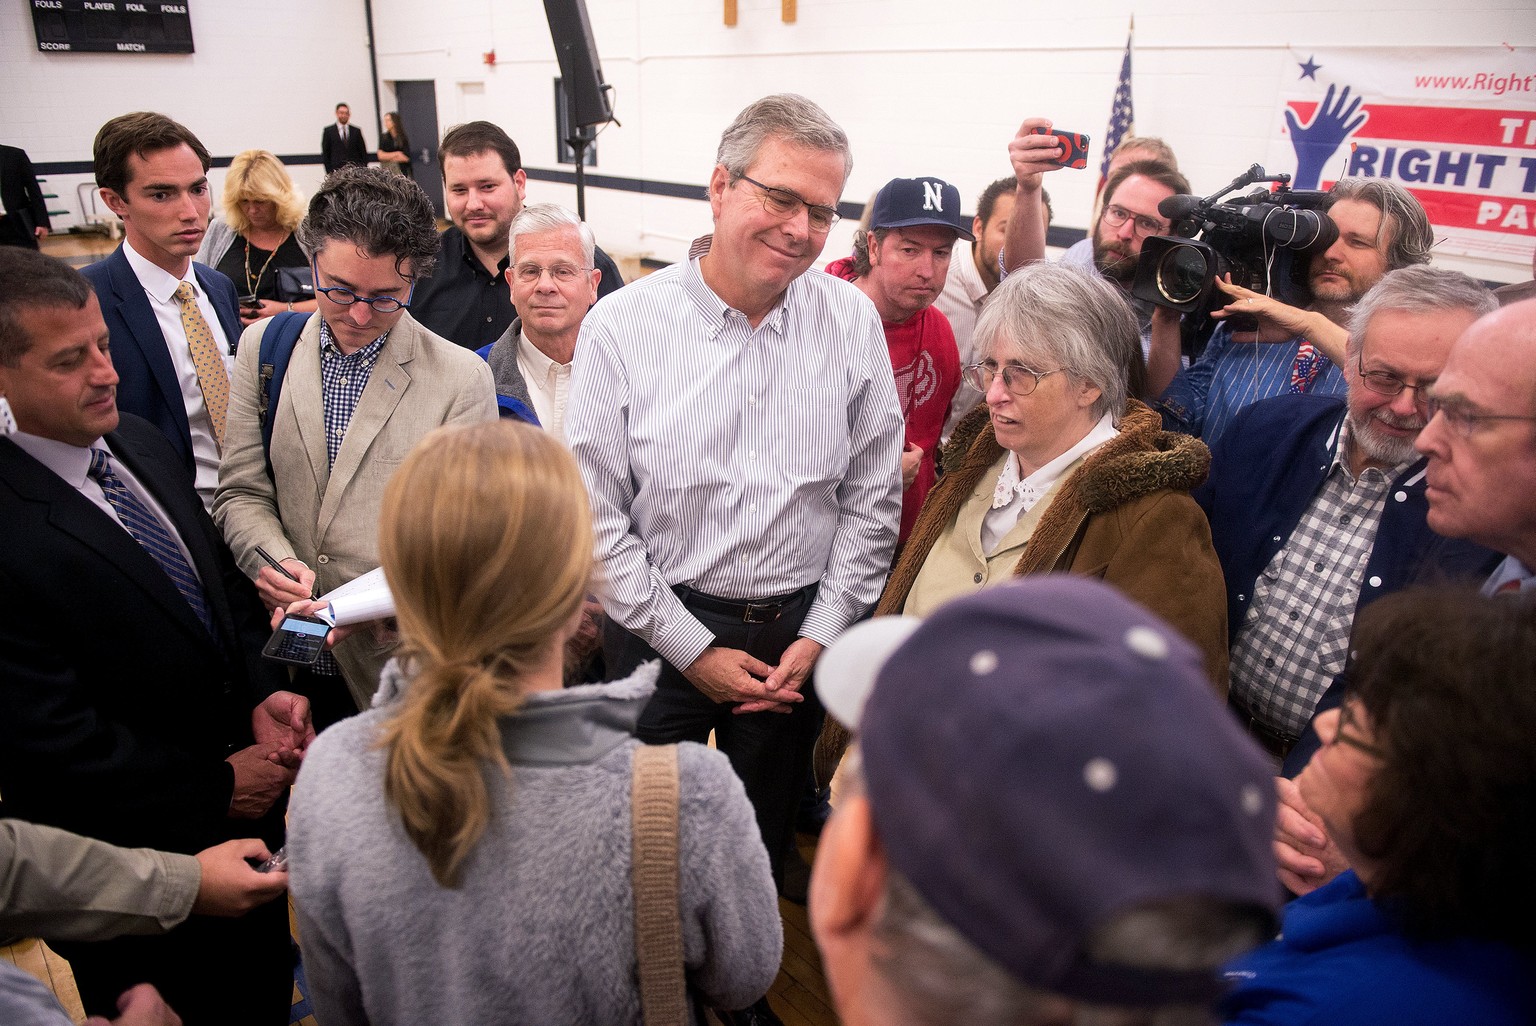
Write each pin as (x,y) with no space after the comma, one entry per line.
(1128,217)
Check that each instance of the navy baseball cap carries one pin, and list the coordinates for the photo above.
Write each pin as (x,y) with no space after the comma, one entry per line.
(1043,756)
(906,202)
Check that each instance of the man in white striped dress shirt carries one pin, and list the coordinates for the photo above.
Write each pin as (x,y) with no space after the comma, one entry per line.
(738,428)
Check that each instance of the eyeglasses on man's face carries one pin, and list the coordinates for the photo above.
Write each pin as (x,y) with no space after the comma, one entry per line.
(563,274)
(346,297)
(785,204)
(1387,383)
(1115,215)
(1017,379)
(1463,418)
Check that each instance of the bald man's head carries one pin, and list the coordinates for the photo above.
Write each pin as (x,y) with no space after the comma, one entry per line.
(1482,442)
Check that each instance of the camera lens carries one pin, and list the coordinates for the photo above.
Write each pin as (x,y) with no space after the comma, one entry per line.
(1181,274)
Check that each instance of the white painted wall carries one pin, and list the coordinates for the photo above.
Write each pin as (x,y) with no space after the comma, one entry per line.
(922,87)
(267,74)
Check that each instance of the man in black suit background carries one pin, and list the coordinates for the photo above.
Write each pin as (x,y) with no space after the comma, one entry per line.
(24,218)
(134,704)
(341,144)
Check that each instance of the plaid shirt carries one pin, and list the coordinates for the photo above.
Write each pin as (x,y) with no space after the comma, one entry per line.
(1295,637)
(342,380)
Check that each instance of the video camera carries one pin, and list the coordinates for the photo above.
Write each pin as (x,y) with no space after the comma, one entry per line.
(1255,238)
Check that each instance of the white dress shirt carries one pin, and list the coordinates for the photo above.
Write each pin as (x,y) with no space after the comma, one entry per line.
(73,465)
(1014,496)
(549,385)
(961,302)
(746,463)
(160,287)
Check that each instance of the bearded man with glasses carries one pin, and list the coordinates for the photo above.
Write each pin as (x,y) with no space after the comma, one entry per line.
(1318,504)
(364,383)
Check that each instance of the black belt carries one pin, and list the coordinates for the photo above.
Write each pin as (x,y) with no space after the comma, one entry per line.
(765,610)
(1270,739)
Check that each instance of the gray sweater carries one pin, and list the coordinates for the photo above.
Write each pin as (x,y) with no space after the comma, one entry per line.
(541,929)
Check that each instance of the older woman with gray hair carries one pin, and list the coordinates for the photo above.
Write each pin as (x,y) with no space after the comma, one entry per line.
(1068,474)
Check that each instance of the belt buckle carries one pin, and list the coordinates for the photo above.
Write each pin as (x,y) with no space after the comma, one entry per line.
(757,612)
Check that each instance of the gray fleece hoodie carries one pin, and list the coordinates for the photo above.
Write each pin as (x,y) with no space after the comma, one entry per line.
(540,930)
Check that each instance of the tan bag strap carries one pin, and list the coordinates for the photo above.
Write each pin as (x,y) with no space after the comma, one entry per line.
(654,873)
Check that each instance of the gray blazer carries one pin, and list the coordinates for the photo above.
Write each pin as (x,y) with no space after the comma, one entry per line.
(328,516)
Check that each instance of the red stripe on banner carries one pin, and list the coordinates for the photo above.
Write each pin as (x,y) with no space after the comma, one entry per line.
(1465,126)
(1481,211)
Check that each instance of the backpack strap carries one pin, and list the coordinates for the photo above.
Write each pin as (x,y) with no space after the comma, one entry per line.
(654,875)
(277,342)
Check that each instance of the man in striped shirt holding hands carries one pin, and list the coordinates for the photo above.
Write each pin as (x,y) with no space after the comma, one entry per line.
(738,428)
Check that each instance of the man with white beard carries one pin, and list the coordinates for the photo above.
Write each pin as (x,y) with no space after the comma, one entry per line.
(1317,503)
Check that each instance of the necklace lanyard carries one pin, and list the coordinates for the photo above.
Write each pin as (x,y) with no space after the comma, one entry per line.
(251,285)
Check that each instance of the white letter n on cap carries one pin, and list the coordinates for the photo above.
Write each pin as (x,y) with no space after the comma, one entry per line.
(933,196)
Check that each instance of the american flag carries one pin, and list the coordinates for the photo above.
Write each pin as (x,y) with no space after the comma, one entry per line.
(1121,115)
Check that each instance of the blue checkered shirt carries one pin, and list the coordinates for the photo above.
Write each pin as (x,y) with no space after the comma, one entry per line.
(1295,637)
(342,380)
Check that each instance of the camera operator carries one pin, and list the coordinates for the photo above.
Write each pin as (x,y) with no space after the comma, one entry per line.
(1127,216)
(1381,228)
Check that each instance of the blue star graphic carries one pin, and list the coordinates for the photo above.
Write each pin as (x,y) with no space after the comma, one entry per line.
(1309,70)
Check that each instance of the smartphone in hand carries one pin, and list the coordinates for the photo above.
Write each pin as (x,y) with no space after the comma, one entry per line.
(1074,148)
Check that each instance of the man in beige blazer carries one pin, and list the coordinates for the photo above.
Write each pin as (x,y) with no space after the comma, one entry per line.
(364,384)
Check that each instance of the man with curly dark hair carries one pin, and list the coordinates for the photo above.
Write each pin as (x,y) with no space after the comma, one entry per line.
(364,383)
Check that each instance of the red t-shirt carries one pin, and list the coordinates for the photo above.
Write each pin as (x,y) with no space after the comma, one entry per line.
(926,363)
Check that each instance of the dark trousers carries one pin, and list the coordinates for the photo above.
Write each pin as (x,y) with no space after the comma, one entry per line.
(212,971)
(330,700)
(771,752)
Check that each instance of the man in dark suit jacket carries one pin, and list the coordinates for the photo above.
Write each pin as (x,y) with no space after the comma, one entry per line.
(139,159)
(341,144)
(26,211)
(128,713)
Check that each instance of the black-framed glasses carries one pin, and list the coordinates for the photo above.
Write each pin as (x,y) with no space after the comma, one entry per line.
(785,204)
(346,297)
(1017,379)
(1344,733)
(1387,383)
(563,274)
(1462,418)
(1115,215)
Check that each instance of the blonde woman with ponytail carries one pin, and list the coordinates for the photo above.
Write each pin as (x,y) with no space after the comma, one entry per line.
(460,853)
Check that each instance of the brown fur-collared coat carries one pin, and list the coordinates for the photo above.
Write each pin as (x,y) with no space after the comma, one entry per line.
(1124,516)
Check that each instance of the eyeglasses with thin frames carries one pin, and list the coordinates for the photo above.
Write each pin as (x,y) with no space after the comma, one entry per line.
(1017,379)
(1344,733)
(1462,418)
(1115,215)
(346,297)
(785,204)
(1387,383)
(562,274)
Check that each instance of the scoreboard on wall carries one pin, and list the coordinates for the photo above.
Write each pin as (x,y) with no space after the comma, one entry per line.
(112,26)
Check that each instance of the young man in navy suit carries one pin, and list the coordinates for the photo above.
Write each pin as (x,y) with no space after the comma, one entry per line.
(135,706)
(174,323)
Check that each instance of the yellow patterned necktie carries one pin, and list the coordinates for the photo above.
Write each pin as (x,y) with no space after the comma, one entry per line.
(212,377)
